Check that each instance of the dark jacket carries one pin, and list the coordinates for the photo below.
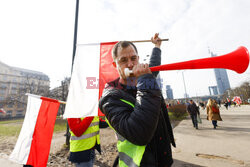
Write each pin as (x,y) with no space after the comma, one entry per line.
(192,109)
(145,124)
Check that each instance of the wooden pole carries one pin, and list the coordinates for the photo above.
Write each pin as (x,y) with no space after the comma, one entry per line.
(148,40)
(37,96)
(117,41)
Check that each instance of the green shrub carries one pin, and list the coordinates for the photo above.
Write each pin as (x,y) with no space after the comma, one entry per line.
(177,112)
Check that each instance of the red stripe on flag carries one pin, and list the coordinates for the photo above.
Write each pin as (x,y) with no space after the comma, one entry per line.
(40,145)
(49,99)
(107,72)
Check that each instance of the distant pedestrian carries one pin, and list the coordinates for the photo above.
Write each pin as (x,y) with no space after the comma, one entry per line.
(192,109)
(234,103)
(213,112)
(226,104)
(219,102)
(202,105)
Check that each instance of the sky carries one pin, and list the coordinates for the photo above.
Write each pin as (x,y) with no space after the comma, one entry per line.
(38,34)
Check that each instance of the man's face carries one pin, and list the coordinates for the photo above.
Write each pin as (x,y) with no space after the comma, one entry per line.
(126,58)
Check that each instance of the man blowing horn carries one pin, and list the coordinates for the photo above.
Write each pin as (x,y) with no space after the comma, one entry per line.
(135,109)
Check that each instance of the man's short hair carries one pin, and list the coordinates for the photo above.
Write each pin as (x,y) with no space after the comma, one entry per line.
(122,44)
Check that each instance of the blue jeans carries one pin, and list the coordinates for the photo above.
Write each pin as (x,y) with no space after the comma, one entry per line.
(89,163)
(194,120)
(214,122)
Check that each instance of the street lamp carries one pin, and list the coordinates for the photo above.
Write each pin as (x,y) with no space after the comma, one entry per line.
(185,95)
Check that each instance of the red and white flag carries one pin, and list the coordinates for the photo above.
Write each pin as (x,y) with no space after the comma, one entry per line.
(2,111)
(237,100)
(91,71)
(33,144)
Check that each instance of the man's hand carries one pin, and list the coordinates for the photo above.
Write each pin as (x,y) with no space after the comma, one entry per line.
(156,40)
(141,69)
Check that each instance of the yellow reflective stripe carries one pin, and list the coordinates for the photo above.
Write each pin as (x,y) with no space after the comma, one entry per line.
(85,136)
(129,103)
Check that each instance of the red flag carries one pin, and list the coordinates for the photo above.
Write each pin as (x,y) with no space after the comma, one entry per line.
(33,144)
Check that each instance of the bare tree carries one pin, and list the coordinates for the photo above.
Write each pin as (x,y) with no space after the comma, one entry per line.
(243,91)
(61,93)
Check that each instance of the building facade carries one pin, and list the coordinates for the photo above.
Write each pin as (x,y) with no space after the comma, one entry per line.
(213,90)
(221,78)
(14,83)
(169,92)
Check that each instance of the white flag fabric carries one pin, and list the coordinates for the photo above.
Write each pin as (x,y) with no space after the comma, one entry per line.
(92,69)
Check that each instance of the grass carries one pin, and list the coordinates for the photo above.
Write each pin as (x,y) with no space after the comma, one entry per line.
(11,121)
(60,125)
(13,127)
(10,130)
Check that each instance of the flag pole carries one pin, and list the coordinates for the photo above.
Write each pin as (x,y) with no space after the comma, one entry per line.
(62,102)
(73,58)
(75,34)
(148,40)
(138,41)
(38,97)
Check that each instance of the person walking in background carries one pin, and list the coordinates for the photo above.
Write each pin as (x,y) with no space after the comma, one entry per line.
(226,104)
(229,102)
(234,103)
(219,102)
(202,105)
(213,112)
(84,140)
(192,109)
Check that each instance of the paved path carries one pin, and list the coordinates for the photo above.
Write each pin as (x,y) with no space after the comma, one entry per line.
(6,163)
(227,146)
